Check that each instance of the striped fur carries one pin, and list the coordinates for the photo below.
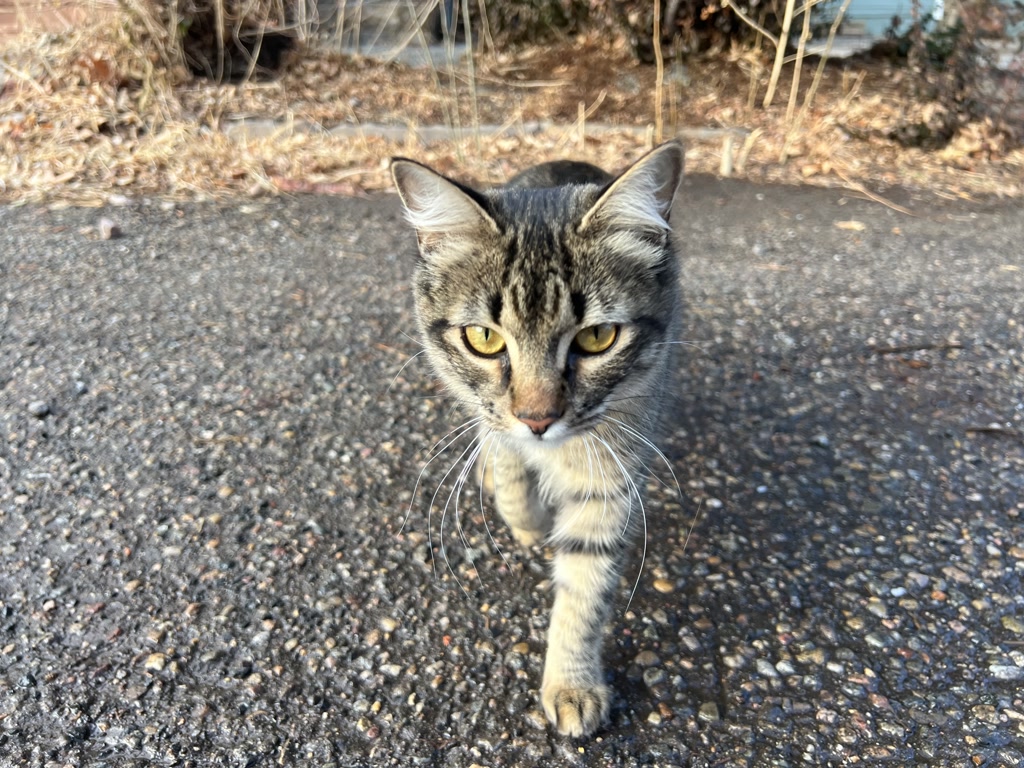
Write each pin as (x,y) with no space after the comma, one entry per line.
(565,435)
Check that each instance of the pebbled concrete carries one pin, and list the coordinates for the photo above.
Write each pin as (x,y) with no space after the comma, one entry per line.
(215,547)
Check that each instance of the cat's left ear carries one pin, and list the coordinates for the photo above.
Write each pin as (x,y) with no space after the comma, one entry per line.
(641,197)
(442,211)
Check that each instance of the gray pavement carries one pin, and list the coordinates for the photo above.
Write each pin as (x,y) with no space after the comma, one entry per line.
(211,429)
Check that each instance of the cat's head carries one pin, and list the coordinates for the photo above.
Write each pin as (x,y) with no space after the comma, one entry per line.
(545,310)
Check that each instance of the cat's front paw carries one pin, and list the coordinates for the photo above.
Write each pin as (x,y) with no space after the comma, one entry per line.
(576,711)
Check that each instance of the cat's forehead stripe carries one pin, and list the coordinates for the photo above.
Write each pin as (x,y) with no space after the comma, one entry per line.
(579,305)
(536,301)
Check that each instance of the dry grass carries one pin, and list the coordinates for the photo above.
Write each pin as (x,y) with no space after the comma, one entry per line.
(104,111)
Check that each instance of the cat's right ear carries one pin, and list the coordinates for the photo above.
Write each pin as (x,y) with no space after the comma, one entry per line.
(439,209)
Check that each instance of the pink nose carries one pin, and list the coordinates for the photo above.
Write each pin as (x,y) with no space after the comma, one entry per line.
(537,426)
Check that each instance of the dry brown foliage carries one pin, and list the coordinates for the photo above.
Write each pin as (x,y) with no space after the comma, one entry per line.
(110,110)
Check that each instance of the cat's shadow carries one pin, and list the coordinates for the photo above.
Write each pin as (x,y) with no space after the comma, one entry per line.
(774,469)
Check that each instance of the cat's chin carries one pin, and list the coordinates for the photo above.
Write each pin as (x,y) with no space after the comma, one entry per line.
(554,437)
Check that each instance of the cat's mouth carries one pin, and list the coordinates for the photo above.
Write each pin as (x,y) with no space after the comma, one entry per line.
(554,436)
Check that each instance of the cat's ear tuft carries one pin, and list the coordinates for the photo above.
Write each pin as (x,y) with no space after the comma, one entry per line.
(641,197)
(436,206)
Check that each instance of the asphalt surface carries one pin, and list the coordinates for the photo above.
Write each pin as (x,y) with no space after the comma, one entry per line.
(211,429)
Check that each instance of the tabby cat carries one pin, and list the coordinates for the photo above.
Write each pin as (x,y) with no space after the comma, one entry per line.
(548,307)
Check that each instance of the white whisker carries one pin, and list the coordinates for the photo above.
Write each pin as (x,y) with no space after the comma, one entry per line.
(630,483)
(404,365)
(643,515)
(590,469)
(462,429)
(696,344)
(636,434)
(454,434)
(643,556)
(433,499)
(456,493)
(489,438)
(693,524)
(410,337)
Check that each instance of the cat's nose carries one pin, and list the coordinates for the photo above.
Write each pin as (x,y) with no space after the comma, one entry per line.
(538,426)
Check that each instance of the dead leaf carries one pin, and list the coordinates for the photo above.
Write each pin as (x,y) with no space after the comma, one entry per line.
(853,226)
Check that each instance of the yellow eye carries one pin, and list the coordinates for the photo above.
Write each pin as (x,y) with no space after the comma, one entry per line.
(597,338)
(483,341)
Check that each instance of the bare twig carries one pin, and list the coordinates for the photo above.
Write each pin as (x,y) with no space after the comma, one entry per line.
(780,53)
(748,145)
(472,73)
(836,22)
(392,10)
(358,29)
(24,77)
(579,127)
(794,129)
(801,46)
(486,42)
(415,29)
(659,78)
(449,52)
(750,22)
(339,24)
(218,16)
(877,198)
(756,67)
(852,91)
(418,32)
(725,165)
(581,123)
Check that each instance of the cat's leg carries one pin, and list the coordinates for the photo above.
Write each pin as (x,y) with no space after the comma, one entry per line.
(516,496)
(589,541)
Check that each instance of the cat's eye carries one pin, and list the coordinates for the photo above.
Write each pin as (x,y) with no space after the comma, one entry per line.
(596,338)
(483,341)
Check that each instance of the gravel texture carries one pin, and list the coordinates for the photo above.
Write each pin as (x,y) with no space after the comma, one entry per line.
(211,428)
